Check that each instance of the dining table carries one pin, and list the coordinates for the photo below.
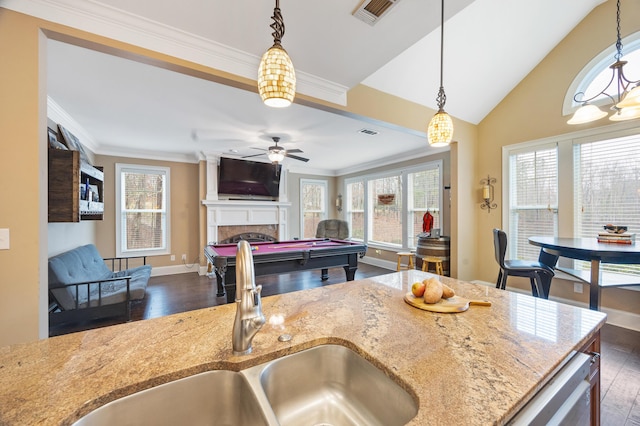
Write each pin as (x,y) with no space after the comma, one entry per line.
(597,253)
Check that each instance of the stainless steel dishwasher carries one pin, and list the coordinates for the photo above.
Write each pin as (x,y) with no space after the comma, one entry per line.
(565,400)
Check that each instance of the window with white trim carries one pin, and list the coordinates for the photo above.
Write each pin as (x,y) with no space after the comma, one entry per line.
(313,205)
(425,191)
(597,182)
(607,189)
(533,198)
(355,209)
(386,210)
(142,206)
(385,204)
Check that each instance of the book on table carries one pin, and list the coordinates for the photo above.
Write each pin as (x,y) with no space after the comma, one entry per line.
(624,238)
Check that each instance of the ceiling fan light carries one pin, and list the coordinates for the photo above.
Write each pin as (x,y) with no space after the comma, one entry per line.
(632,99)
(440,130)
(586,114)
(276,78)
(628,113)
(276,156)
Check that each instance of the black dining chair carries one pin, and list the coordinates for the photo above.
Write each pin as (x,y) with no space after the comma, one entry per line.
(539,273)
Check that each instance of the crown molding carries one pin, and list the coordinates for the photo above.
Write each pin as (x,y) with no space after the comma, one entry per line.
(148,155)
(97,18)
(56,113)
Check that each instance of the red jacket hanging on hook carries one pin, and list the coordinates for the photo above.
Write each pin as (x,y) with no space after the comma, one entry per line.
(427,222)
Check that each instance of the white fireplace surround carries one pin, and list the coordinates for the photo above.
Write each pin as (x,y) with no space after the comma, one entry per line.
(243,211)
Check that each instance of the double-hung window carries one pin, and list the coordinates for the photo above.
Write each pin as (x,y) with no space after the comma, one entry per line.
(385,204)
(424,188)
(313,203)
(142,206)
(355,209)
(607,188)
(533,198)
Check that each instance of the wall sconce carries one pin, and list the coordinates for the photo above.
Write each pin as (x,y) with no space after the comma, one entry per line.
(339,203)
(487,194)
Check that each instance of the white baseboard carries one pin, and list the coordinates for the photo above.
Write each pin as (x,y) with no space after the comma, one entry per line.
(380,263)
(157,271)
(615,317)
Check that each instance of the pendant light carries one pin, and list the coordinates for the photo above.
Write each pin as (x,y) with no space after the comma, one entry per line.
(276,76)
(626,103)
(440,130)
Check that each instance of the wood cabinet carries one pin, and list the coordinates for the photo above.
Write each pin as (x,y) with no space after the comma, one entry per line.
(76,189)
(592,347)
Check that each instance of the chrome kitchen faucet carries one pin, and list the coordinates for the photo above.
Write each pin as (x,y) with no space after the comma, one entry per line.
(249,318)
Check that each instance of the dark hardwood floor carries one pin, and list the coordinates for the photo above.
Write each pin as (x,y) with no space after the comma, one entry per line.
(171,294)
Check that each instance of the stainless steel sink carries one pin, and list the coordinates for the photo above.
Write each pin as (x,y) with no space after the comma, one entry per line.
(332,385)
(213,398)
(328,385)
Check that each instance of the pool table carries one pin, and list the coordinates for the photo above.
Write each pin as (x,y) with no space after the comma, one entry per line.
(270,258)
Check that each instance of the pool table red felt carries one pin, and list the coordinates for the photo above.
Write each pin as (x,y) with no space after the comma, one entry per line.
(285,256)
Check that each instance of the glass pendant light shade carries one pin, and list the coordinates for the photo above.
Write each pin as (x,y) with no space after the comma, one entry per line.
(628,113)
(586,114)
(440,130)
(632,99)
(276,78)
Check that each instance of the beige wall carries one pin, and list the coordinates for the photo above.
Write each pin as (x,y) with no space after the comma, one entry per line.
(533,110)
(23,189)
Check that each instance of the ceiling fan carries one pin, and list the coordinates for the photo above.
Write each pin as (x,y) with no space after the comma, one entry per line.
(277,153)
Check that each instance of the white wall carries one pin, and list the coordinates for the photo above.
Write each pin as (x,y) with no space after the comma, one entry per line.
(67,236)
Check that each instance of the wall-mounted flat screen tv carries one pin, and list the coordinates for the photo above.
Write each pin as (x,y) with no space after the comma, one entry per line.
(253,178)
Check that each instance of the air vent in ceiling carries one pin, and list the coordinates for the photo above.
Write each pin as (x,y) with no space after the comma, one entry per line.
(368,132)
(370,11)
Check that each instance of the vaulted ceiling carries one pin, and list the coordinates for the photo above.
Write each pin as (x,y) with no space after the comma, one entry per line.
(134,109)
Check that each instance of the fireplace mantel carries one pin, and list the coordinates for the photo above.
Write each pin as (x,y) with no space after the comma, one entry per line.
(246,212)
(245,203)
(234,212)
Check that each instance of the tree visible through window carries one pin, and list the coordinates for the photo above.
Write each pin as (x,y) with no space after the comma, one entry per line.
(143,196)
(607,190)
(355,209)
(386,202)
(313,198)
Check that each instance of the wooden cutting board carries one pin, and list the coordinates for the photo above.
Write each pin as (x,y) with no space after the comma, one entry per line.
(450,305)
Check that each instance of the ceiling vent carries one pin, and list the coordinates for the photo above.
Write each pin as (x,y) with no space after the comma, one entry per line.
(368,132)
(370,11)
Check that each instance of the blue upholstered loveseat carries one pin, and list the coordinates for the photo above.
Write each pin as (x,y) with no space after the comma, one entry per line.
(82,287)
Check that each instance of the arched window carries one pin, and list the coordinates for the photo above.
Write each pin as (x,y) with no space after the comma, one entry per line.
(596,74)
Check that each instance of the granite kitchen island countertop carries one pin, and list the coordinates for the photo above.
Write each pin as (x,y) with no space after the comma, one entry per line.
(480,366)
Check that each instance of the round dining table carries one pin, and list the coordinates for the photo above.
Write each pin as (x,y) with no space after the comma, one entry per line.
(590,250)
